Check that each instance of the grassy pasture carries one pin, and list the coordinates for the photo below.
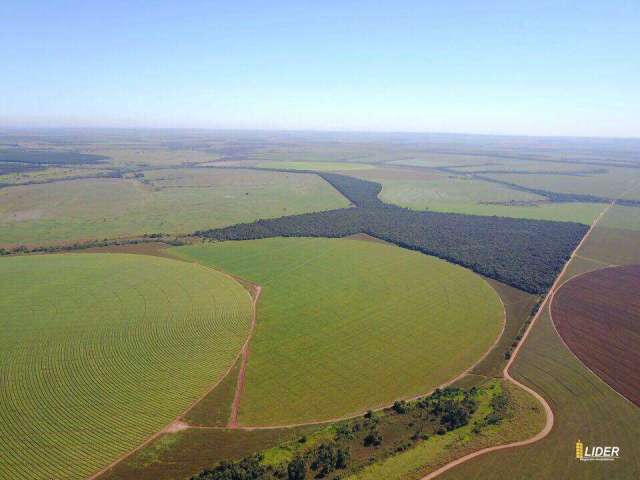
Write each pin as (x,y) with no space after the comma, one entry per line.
(345,325)
(99,351)
(168,201)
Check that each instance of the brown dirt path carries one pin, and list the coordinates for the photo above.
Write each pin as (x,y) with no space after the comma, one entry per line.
(233,420)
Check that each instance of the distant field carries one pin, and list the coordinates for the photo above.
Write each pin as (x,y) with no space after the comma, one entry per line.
(152,156)
(345,325)
(170,201)
(610,184)
(318,166)
(423,190)
(416,189)
(608,344)
(99,351)
(446,160)
(531,166)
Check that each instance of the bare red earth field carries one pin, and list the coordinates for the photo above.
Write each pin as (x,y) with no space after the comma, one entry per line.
(598,316)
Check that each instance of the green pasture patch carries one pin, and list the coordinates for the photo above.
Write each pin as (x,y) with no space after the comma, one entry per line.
(346,325)
(174,201)
(99,351)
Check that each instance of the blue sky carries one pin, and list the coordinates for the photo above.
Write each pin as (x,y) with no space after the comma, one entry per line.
(549,68)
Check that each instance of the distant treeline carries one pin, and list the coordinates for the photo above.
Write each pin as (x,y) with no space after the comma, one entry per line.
(48,157)
(527,254)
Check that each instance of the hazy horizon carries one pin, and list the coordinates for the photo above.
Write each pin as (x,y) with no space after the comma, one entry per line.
(499,68)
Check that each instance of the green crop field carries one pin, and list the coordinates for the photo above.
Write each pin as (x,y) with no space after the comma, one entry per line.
(167,201)
(99,351)
(345,325)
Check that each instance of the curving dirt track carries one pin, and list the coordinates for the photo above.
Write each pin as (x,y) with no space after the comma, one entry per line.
(599,321)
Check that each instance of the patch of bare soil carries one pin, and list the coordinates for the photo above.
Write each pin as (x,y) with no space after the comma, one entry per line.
(177,426)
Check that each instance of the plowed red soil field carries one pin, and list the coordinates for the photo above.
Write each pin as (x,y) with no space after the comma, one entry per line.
(598,316)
